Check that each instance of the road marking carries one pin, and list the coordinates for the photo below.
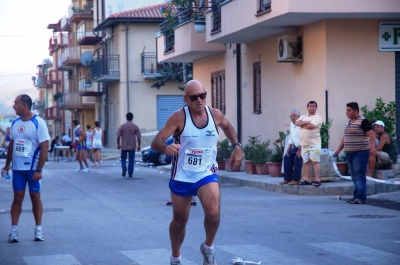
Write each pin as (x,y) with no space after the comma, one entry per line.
(259,253)
(358,252)
(152,256)
(65,259)
(396,241)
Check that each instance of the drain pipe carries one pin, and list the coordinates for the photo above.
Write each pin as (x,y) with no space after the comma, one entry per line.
(127,64)
(239,91)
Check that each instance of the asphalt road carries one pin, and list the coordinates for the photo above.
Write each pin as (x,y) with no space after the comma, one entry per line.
(102,218)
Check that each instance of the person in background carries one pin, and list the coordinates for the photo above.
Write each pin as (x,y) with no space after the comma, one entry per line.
(386,152)
(130,133)
(310,126)
(28,148)
(80,143)
(358,142)
(89,154)
(293,161)
(97,143)
(7,138)
(67,141)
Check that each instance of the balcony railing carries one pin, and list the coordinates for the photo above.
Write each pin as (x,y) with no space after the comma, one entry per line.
(65,25)
(61,40)
(70,56)
(40,81)
(264,6)
(87,88)
(52,113)
(80,10)
(85,35)
(73,100)
(106,68)
(54,77)
(216,16)
(149,63)
(38,105)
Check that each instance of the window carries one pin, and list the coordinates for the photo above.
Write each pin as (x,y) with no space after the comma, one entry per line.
(257,88)
(218,90)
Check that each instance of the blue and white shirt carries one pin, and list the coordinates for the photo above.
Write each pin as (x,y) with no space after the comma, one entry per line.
(196,156)
(27,136)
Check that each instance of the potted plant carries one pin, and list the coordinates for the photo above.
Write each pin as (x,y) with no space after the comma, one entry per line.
(341,163)
(224,151)
(248,150)
(260,156)
(275,161)
(324,133)
(57,96)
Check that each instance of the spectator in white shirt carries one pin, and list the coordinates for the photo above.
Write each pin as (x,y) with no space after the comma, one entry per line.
(293,162)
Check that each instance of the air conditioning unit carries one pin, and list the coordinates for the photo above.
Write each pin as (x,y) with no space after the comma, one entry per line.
(285,47)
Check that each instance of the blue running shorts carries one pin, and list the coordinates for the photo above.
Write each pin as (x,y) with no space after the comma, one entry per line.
(186,188)
(21,177)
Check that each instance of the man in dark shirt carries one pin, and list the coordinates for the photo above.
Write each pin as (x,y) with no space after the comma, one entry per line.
(130,133)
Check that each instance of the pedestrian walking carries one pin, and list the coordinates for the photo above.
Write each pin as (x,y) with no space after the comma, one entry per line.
(130,133)
(97,143)
(89,138)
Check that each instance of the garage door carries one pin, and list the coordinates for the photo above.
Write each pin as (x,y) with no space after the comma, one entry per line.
(166,105)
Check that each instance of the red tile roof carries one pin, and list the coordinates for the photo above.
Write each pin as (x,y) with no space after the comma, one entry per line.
(144,12)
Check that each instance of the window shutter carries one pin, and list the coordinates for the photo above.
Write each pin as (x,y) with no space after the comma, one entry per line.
(218,90)
(257,87)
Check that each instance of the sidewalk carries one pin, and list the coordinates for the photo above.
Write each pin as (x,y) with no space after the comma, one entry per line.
(339,187)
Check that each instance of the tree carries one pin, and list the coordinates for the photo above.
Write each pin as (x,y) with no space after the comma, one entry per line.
(174,72)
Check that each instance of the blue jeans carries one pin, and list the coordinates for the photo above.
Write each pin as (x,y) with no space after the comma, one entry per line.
(358,162)
(292,165)
(131,157)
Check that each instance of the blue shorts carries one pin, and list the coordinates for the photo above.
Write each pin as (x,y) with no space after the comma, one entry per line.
(21,177)
(184,189)
(80,147)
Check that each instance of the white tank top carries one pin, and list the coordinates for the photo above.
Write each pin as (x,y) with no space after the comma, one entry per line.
(97,138)
(196,156)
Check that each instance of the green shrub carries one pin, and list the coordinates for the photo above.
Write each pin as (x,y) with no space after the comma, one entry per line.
(324,133)
(383,112)
(260,153)
(248,148)
(224,150)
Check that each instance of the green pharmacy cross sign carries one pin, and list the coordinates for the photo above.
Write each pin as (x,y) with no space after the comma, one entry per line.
(389,36)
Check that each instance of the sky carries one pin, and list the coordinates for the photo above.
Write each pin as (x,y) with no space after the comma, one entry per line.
(24,42)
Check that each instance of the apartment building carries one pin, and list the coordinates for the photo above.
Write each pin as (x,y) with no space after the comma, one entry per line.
(260,59)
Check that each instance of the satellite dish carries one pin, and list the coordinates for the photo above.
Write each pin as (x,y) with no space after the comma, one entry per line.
(86,58)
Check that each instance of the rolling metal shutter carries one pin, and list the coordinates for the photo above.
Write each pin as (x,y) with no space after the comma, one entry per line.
(397,87)
(166,105)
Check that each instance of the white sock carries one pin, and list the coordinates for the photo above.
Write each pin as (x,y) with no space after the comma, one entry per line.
(207,247)
(14,227)
(175,259)
(38,227)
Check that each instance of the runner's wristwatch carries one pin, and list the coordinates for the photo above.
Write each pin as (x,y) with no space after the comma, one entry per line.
(237,144)
(38,170)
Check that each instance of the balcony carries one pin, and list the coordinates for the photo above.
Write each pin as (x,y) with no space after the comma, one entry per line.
(89,89)
(259,19)
(150,67)
(38,104)
(40,81)
(70,57)
(61,40)
(85,35)
(181,43)
(52,45)
(80,10)
(65,25)
(54,77)
(52,113)
(105,68)
(74,101)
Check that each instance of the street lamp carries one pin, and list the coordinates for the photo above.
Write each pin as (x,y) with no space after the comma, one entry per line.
(200,22)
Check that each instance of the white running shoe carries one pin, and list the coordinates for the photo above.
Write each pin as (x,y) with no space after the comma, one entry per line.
(208,254)
(79,169)
(13,237)
(176,262)
(85,170)
(39,234)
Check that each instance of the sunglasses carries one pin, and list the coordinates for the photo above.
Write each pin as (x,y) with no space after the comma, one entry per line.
(201,96)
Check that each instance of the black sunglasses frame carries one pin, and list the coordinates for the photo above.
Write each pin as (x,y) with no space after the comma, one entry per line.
(194,97)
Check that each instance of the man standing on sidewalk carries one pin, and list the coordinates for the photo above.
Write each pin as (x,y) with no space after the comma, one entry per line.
(130,133)
(29,142)
(310,125)
(293,162)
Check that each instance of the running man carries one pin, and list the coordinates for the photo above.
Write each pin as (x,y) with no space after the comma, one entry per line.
(80,141)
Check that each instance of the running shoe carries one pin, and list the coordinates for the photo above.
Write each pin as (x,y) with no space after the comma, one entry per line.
(39,234)
(208,254)
(85,170)
(79,169)
(13,237)
(176,262)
